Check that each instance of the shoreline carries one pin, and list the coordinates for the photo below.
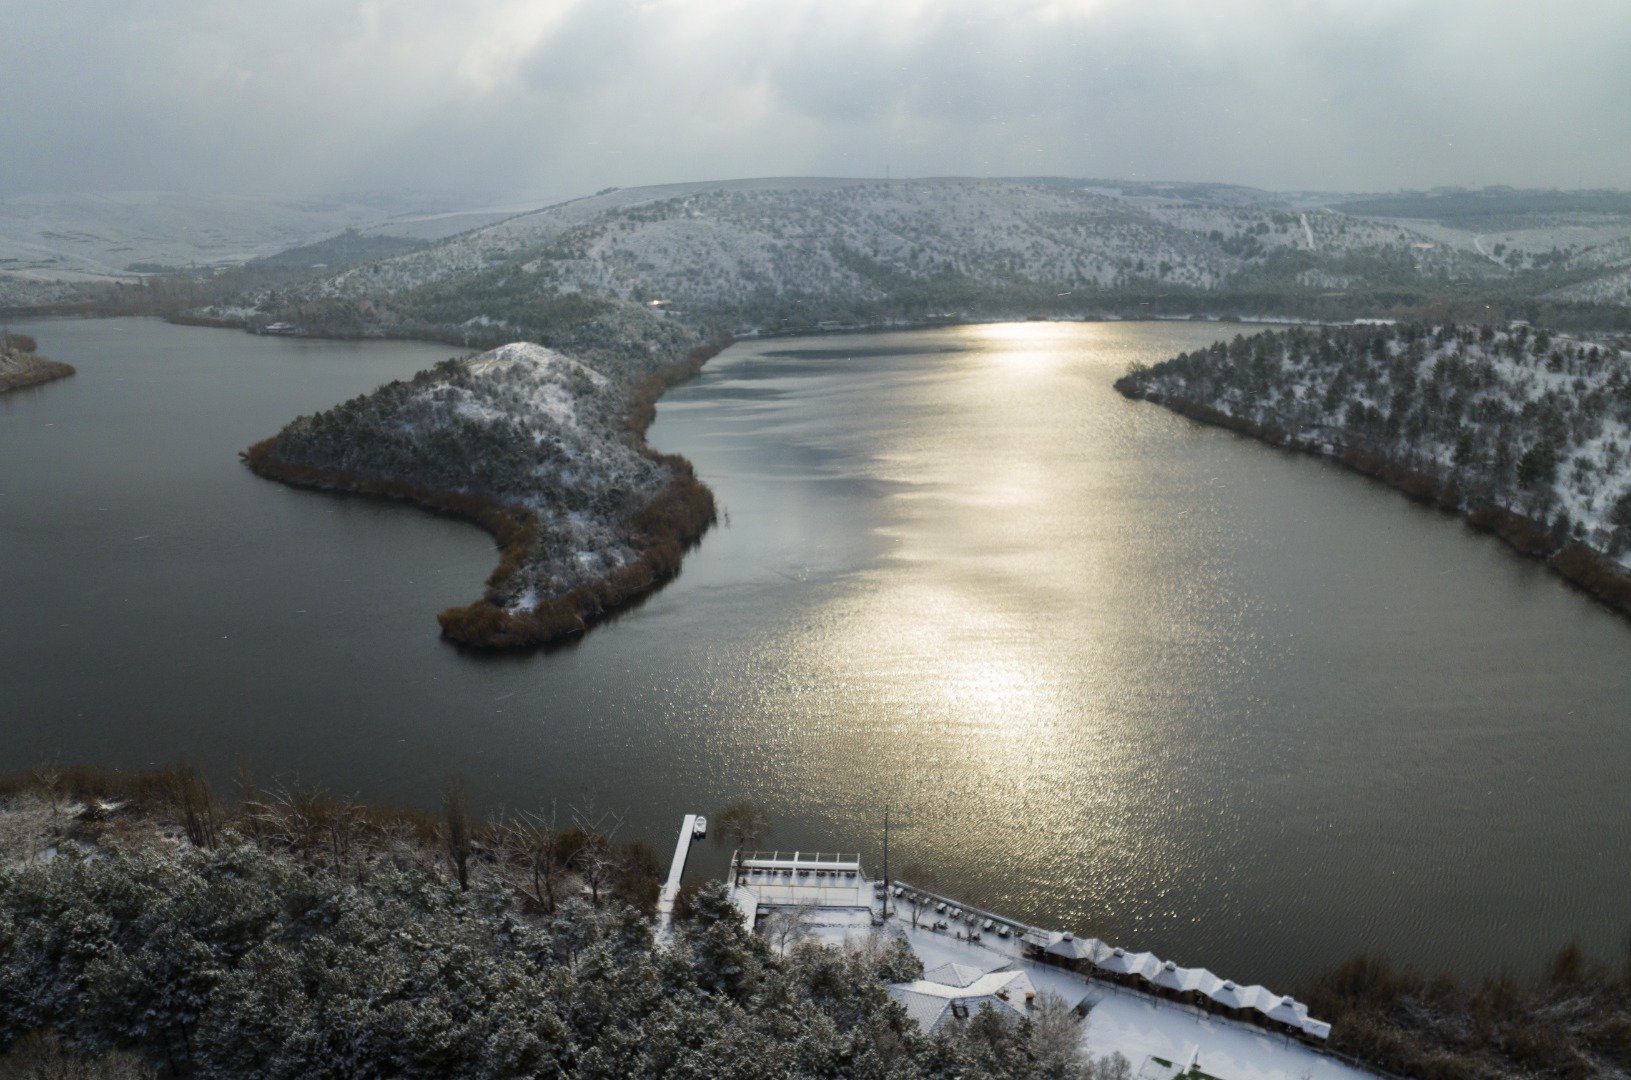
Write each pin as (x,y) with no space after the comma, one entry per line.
(662,530)
(21,370)
(1385,1019)
(1581,566)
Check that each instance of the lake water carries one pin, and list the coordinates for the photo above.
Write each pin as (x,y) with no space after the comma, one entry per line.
(1112,670)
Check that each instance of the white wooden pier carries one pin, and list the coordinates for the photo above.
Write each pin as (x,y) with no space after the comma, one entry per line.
(694,827)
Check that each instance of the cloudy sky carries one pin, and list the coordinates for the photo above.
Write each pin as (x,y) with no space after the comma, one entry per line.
(497,99)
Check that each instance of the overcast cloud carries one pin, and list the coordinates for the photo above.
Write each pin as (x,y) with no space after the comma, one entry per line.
(494,99)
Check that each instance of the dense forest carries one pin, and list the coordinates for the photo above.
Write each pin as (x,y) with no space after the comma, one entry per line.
(1522,431)
(146,926)
(1571,1020)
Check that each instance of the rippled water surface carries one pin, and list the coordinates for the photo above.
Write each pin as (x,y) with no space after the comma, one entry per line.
(1111,669)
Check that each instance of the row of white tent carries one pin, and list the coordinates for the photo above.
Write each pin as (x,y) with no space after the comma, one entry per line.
(1166,975)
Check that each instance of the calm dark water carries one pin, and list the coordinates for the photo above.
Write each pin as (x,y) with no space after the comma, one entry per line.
(1112,670)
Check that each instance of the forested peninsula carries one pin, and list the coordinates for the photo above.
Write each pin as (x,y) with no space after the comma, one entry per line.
(20,367)
(545,451)
(1521,432)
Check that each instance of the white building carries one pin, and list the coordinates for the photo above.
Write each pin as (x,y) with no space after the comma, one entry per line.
(828,888)
(954,992)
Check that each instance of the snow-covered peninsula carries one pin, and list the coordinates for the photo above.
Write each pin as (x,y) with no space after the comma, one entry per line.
(1522,432)
(541,449)
(20,366)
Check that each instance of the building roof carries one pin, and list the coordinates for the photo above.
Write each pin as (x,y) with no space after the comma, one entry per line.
(934,1004)
(1070,947)
(831,886)
(1169,976)
(953,975)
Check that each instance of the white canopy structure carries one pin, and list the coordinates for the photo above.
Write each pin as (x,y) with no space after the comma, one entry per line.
(1121,962)
(1224,993)
(1069,947)
(1178,980)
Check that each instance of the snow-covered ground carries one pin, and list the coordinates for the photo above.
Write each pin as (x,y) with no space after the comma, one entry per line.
(107,233)
(1135,1025)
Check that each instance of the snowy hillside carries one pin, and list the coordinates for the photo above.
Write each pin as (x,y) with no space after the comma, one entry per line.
(107,234)
(769,254)
(49,244)
(533,445)
(522,423)
(1507,424)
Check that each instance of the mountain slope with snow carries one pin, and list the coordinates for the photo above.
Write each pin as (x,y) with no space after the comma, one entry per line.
(1521,431)
(781,254)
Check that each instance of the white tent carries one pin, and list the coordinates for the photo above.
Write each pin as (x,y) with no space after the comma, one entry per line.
(1144,964)
(1172,977)
(1118,961)
(1227,994)
(1288,1011)
(1166,975)
(1069,947)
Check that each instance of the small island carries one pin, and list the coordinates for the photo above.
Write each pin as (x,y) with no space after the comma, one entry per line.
(545,451)
(1522,433)
(20,366)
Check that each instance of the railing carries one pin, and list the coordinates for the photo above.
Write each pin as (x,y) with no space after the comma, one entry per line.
(809,858)
(980,913)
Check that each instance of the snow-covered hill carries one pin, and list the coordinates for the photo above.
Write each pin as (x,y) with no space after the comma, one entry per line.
(772,253)
(108,234)
(52,243)
(1522,431)
(523,424)
(534,445)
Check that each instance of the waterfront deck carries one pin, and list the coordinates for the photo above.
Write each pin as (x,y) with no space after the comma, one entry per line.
(838,904)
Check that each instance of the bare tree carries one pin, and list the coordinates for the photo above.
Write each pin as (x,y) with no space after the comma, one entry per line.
(251,800)
(456,827)
(922,877)
(1058,1039)
(742,823)
(192,796)
(27,824)
(531,844)
(346,826)
(597,860)
(404,846)
(787,927)
(1112,1067)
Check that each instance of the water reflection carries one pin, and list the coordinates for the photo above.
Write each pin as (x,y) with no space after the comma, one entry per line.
(1113,670)
(1108,666)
